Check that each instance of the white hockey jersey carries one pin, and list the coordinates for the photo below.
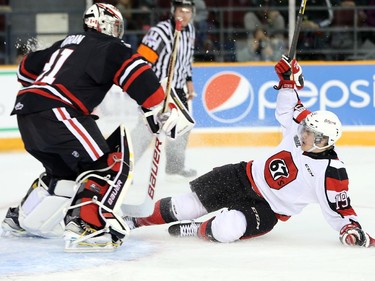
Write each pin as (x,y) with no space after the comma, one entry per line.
(290,179)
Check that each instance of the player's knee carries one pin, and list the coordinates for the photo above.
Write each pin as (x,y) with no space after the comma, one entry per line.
(228,226)
(187,206)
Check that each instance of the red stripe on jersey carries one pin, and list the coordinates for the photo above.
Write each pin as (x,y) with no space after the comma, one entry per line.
(336,185)
(26,73)
(250,177)
(156,98)
(44,94)
(73,98)
(78,130)
(134,76)
(347,212)
(116,79)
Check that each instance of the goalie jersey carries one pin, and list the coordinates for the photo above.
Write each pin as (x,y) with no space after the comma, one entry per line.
(78,71)
(290,179)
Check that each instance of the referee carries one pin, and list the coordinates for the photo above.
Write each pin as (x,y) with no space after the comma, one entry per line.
(156,47)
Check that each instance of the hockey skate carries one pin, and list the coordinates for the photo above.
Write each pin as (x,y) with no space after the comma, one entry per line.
(131,222)
(11,225)
(79,236)
(184,229)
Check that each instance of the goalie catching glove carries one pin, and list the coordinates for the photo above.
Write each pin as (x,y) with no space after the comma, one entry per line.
(158,120)
(353,235)
(290,73)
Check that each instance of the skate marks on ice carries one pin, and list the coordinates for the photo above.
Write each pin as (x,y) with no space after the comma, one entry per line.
(31,255)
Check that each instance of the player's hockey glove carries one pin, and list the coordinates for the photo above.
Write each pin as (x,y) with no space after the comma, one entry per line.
(297,74)
(353,235)
(289,73)
(158,120)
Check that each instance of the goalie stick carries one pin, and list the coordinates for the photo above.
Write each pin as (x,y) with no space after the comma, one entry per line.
(147,206)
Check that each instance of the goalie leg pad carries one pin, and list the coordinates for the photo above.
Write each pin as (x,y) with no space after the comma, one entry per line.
(42,214)
(101,194)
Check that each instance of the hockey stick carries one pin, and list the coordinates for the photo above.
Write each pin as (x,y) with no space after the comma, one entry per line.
(147,206)
(297,29)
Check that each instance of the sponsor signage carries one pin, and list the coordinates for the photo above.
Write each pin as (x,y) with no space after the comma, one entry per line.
(243,95)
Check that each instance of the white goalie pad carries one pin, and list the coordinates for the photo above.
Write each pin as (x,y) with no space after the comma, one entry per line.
(42,214)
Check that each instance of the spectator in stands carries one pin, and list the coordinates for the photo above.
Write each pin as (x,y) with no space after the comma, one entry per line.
(266,28)
(228,19)
(313,37)
(204,46)
(345,38)
(4,5)
(125,7)
(369,20)
(136,14)
(201,24)
(267,18)
(260,47)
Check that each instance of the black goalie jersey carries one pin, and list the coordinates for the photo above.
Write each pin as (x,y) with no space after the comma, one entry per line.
(78,71)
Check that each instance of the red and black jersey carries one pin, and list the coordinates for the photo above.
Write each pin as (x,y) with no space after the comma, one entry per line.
(78,72)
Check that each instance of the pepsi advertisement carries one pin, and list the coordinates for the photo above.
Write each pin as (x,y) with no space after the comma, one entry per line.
(243,95)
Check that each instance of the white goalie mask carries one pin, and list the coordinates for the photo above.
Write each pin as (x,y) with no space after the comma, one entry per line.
(324,125)
(105,18)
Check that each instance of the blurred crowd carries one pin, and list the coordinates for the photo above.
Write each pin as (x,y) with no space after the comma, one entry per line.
(254,30)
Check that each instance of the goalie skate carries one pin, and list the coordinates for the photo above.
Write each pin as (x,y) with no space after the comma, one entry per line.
(184,229)
(81,237)
(11,225)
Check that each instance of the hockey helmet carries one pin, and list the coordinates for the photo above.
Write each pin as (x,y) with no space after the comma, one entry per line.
(105,18)
(182,3)
(324,125)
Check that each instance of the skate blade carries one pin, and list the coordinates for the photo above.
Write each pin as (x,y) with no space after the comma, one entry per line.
(74,247)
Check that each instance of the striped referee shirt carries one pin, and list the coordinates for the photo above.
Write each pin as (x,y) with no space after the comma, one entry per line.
(156,47)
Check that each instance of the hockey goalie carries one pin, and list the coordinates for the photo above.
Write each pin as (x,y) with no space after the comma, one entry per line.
(86,175)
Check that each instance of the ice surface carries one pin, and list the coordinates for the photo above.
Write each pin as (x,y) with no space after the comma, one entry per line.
(304,248)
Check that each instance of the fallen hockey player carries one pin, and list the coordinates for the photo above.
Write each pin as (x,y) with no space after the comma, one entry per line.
(253,196)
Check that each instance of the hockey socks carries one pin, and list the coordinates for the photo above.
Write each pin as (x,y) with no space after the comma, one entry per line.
(205,231)
(163,213)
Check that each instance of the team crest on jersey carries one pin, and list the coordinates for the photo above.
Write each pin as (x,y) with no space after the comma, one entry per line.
(280,170)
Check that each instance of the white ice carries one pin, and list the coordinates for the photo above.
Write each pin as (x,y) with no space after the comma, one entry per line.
(304,248)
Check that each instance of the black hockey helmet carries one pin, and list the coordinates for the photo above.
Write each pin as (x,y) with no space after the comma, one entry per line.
(182,3)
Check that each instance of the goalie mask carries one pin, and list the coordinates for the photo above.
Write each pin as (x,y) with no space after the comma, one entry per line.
(325,125)
(104,18)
